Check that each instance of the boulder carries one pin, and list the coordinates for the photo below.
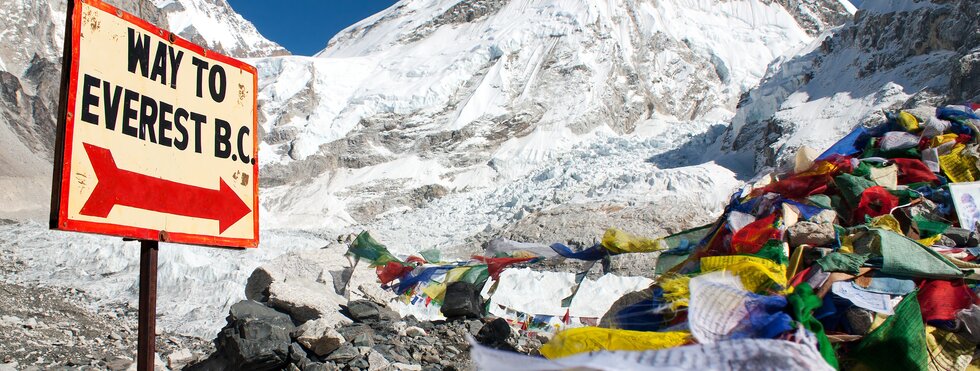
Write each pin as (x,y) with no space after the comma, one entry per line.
(180,358)
(326,266)
(494,334)
(414,331)
(255,338)
(319,337)
(407,367)
(306,265)
(377,362)
(362,310)
(306,300)
(813,234)
(359,335)
(344,354)
(118,364)
(462,300)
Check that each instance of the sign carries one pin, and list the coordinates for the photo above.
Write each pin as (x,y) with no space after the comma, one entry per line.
(157,136)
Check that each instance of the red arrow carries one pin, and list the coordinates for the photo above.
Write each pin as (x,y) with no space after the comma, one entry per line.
(126,188)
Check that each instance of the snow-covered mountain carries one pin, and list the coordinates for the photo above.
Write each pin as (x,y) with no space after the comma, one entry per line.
(435,123)
(426,121)
(893,54)
(214,24)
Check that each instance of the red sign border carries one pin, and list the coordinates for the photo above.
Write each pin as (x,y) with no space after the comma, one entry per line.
(62,167)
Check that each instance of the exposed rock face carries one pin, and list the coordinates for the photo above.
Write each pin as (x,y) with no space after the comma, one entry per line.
(884,59)
(195,20)
(816,16)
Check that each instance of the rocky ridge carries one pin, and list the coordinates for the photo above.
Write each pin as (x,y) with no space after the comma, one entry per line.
(888,57)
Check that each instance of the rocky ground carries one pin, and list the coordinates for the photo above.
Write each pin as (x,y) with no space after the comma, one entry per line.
(55,328)
(258,337)
(50,328)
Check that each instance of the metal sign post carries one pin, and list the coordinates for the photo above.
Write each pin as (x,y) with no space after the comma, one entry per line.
(146,335)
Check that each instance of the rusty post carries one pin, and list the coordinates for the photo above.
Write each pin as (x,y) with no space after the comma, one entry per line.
(146,338)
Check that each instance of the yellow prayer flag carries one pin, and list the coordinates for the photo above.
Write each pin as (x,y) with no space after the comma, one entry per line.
(589,339)
(618,242)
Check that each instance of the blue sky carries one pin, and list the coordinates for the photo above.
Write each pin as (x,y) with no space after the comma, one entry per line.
(304,26)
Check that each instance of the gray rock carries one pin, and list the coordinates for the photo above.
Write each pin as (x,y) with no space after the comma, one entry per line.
(118,363)
(253,310)
(462,300)
(317,366)
(813,234)
(362,310)
(474,326)
(451,350)
(319,337)
(360,363)
(344,354)
(180,358)
(494,334)
(407,367)
(826,216)
(351,332)
(377,362)
(414,331)
(305,300)
(297,355)
(11,320)
(363,340)
(399,328)
(961,236)
(256,338)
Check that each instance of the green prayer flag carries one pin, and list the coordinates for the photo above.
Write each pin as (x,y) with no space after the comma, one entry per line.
(841,262)
(904,195)
(906,257)
(898,344)
(431,255)
(928,228)
(667,261)
(822,201)
(862,170)
(772,250)
(689,237)
(476,275)
(365,247)
(893,153)
(851,187)
(802,302)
